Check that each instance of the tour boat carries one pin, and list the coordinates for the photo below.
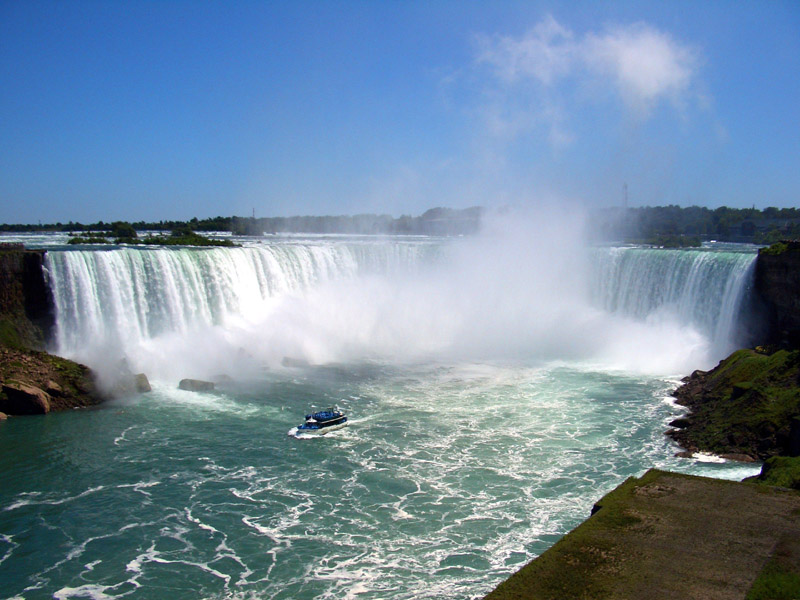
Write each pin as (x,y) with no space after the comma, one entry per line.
(323,421)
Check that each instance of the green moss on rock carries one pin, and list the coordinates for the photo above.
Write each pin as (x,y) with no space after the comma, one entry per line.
(780,577)
(743,406)
(781,471)
(775,249)
(666,535)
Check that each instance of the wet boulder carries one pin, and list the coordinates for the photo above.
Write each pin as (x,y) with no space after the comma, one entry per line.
(196,385)
(129,385)
(294,363)
(680,423)
(23,399)
(142,383)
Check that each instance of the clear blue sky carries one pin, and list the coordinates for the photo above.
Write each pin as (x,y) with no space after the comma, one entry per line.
(114,110)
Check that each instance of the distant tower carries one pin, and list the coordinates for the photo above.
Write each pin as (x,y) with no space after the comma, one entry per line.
(624,196)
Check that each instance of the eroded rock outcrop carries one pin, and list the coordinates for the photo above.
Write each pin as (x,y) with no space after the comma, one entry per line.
(37,382)
(20,398)
(744,408)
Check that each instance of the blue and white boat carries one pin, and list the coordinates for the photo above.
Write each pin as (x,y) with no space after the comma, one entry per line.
(323,421)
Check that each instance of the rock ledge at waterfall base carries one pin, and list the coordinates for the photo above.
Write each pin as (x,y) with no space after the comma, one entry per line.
(37,382)
(747,406)
(32,381)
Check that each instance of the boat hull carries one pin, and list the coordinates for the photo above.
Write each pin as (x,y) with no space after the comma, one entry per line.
(322,430)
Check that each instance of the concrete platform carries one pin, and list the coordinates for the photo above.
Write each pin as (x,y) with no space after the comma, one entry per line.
(669,536)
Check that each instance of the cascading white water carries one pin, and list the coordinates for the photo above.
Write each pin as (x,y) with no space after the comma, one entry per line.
(108,302)
(700,288)
(181,312)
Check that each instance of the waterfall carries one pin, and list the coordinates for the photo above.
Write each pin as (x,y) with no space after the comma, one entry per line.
(324,300)
(126,296)
(700,288)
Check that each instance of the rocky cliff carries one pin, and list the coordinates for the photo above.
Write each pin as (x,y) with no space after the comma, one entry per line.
(748,406)
(777,284)
(26,305)
(33,381)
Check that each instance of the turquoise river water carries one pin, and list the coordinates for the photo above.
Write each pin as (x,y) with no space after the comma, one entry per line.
(495,393)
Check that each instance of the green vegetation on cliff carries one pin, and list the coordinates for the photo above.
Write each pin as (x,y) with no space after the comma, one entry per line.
(780,577)
(775,249)
(781,471)
(179,237)
(743,406)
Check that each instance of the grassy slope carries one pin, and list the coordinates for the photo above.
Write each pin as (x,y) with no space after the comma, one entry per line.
(667,535)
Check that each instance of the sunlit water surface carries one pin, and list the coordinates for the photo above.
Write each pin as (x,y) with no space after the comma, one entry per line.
(454,472)
(448,479)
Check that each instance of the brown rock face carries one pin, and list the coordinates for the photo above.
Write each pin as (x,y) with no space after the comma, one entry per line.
(66,384)
(53,388)
(26,305)
(23,399)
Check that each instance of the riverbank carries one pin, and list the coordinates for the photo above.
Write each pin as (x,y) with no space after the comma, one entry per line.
(666,535)
(746,408)
(33,382)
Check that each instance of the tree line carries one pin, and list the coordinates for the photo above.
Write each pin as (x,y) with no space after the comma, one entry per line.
(436,221)
(759,226)
(680,225)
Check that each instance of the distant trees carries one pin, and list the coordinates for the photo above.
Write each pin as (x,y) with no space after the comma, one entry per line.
(123,231)
(439,221)
(723,223)
(673,223)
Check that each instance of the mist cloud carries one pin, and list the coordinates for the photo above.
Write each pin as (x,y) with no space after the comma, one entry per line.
(545,53)
(646,65)
(536,79)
